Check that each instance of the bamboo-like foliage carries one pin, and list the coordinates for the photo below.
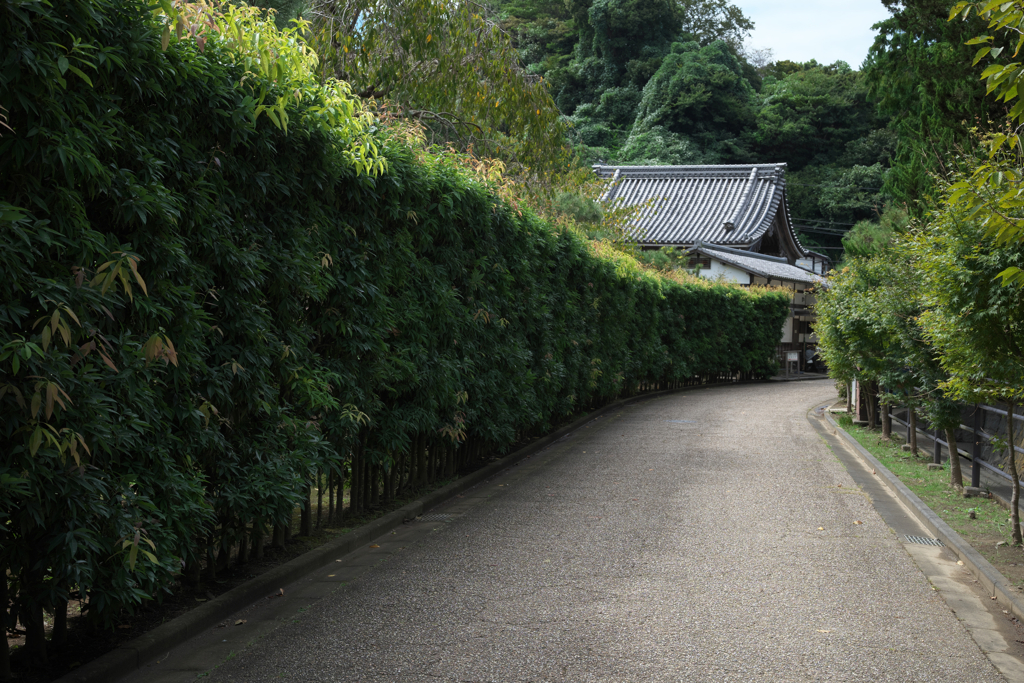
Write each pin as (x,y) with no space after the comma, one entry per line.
(444,64)
(203,316)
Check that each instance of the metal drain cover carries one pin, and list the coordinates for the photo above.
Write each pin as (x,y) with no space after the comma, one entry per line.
(924,540)
(435,517)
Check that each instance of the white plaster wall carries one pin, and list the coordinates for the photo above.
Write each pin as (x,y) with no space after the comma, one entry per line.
(787,330)
(727,272)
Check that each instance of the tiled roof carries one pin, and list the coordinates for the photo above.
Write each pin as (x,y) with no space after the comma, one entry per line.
(771,267)
(728,205)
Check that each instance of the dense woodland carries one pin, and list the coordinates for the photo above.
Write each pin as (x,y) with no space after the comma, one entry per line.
(674,82)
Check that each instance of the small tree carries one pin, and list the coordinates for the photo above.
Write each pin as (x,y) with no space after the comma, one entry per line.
(975,324)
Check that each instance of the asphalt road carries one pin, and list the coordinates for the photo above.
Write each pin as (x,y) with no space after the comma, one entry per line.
(702,536)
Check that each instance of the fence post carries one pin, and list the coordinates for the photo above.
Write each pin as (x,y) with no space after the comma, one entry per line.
(976,452)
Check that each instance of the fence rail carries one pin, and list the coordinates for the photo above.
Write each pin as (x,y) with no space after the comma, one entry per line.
(977,432)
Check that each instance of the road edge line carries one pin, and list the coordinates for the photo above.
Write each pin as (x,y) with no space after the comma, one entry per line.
(994,582)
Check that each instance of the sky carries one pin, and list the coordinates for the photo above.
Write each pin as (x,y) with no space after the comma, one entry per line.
(825,30)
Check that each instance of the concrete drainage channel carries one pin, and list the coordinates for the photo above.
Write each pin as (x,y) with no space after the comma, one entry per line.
(253,595)
(981,597)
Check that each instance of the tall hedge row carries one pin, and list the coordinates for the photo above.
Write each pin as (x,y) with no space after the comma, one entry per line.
(200,313)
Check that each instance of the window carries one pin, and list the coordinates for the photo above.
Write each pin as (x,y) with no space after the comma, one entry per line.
(703,261)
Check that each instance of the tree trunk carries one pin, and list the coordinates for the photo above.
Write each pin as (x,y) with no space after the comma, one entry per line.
(389,482)
(5,653)
(319,497)
(869,404)
(224,556)
(31,612)
(355,503)
(59,636)
(421,461)
(849,399)
(279,536)
(956,479)
(912,430)
(211,559)
(886,422)
(306,512)
(243,546)
(1012,461)
(257,539)
(330,498)
(374,482)
(339,482)
(194,570)
(35,634)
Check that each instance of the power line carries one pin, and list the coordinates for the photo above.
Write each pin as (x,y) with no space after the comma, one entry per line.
(822,220)
(862,187)
(821,231)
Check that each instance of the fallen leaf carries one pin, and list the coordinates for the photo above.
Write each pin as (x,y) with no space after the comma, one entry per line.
(330,575)
(857,521)
(824,630)
(374,546)
(821,528)
(993,597)
(280,591)
(960,562)
(337,560)
(239,622)
(873,472)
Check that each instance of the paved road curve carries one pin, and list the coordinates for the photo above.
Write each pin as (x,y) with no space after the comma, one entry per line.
(674,540)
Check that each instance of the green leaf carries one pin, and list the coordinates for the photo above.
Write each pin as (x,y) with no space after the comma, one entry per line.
(78,72)
(35,440)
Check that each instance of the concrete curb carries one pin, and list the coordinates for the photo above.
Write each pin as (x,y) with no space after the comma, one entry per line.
(134,654)
(988,576)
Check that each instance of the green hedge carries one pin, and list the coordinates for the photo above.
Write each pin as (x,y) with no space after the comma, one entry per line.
(387,329)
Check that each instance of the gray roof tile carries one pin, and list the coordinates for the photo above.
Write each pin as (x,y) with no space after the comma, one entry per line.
(727,205)
(770,267)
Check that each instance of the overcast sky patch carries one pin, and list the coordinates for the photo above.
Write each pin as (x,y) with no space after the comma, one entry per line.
(825,30)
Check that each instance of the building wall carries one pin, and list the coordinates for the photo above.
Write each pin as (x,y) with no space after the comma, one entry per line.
(727,273)
(787,330)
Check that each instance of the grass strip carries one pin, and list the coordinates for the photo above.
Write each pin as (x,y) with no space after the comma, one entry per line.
(988,532)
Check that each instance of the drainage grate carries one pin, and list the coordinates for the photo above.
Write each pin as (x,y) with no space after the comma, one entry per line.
(435,517)
(924,540)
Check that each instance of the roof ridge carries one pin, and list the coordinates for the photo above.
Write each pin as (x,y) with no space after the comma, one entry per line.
(776,169)
(744,201)
(740,252)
